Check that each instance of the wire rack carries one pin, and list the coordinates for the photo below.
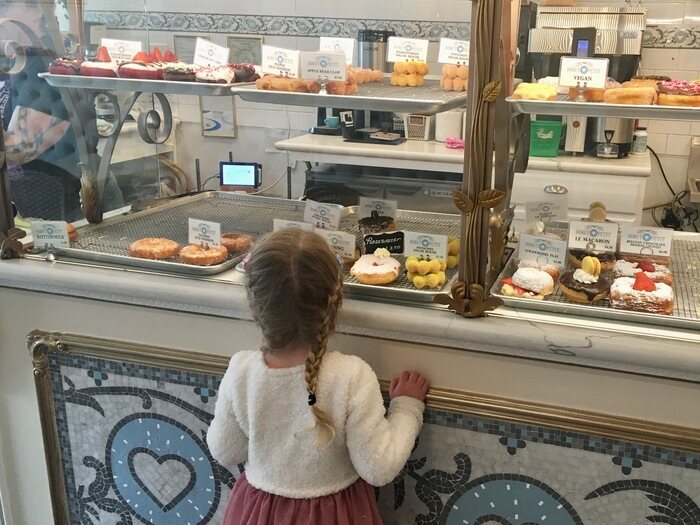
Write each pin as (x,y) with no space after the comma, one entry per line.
(109,242)
(685,264)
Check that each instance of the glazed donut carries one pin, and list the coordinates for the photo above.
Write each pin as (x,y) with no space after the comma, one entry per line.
(203,256)
(154,248)
(295,85)
(236,242)
(631,95)
(379,268)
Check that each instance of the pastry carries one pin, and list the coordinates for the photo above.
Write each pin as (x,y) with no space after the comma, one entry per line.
(549,268)
(409,74)
(454,77)
(376,224)
(656,272)
(236,242)
(180,72)
(424,273)
(203,255)
(154,248)
(72,233)
(528,91)
(378,268)
(141,70)
(65,66)
(216,74)
(631,95)
(363,75)
(641,294)
(646,81)
(679,93)
(528,283)
(339,87)
(245,73)
(585,285)
(576,256)
(280,83)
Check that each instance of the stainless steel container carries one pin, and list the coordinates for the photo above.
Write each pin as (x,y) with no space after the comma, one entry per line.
(371,49)
(621,129)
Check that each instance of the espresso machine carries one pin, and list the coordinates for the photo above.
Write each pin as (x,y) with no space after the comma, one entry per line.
(614,33)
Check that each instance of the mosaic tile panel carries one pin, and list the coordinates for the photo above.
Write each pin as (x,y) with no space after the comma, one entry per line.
(657,36)
(133,451)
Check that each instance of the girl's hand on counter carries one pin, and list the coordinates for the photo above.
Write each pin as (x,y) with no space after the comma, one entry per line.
(410,384)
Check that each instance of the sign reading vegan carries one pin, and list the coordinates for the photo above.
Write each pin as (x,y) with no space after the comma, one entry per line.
(589,72)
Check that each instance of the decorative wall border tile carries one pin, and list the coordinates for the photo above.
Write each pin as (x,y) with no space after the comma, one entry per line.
(274,25)
(655,36)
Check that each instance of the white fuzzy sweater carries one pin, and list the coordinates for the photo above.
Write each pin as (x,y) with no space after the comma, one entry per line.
(262,418)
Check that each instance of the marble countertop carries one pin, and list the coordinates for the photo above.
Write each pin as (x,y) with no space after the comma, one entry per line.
(659,351)
(420,154)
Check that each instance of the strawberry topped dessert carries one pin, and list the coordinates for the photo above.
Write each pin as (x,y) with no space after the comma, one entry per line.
(147,66)
(102,66)
(658,273)
(641,294)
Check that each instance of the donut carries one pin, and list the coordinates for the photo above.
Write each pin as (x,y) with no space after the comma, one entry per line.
(631,95)
(236,242)
(679,93)
(72,233)
(203,255)
(534,280)
(379,268)
(376,224)
(154,248)
(585,285)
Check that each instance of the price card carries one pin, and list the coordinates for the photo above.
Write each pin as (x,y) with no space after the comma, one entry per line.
(281,224)
(394,242)
(554,209)
(209,54)
(593,236)
(205,233)
(279,61)
(591,72)
(646,241)
(401,49)
(50,234)
(340,242)
(368,205)
(542,250)
(121,50)
(425,246)
(321,64)
(323,216)
(453,51)
(338,45)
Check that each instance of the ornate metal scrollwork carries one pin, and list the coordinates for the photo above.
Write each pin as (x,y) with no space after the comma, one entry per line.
(150,122)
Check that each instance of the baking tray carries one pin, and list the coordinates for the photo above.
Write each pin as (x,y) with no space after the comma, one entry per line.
(372,96)
(564,106)
(168,87)
(109,242)
(685,264)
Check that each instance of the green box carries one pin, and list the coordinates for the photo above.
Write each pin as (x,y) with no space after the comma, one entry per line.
(545,136)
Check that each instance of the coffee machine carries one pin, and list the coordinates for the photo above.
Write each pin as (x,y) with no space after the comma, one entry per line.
(614,33)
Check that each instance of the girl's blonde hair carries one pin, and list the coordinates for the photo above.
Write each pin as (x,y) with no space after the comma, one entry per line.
(295,290)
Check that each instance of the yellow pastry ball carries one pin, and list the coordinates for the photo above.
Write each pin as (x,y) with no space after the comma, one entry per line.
(412,264)
(433,280)
(411,275)
(435,266)
(445,69)
(400,67)
(463,72)
(423,267)
(453,247)
(450,70)
(443,265)
(459,84)
(377,75)
(419,281)
(411,67)
(442,277)
(452,261)
(402,80)
(394,80)
(413,80)
(449,83)
(422,68)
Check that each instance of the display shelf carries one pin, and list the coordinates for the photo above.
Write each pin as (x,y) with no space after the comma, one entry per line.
(168,87)
(373,96)
(601,109)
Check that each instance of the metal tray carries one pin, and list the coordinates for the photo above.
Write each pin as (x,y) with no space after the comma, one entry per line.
(685,264)
(109,242)
(373,96)
(564,106)
(169,87)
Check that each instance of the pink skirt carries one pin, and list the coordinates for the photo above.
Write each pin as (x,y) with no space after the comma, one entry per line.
(354,505)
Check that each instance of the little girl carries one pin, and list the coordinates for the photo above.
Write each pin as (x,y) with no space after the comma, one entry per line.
(309,425)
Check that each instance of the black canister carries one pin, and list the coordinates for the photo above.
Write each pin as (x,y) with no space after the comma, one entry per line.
(371,49)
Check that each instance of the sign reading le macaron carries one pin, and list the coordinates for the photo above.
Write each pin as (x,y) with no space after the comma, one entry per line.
(593,236)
